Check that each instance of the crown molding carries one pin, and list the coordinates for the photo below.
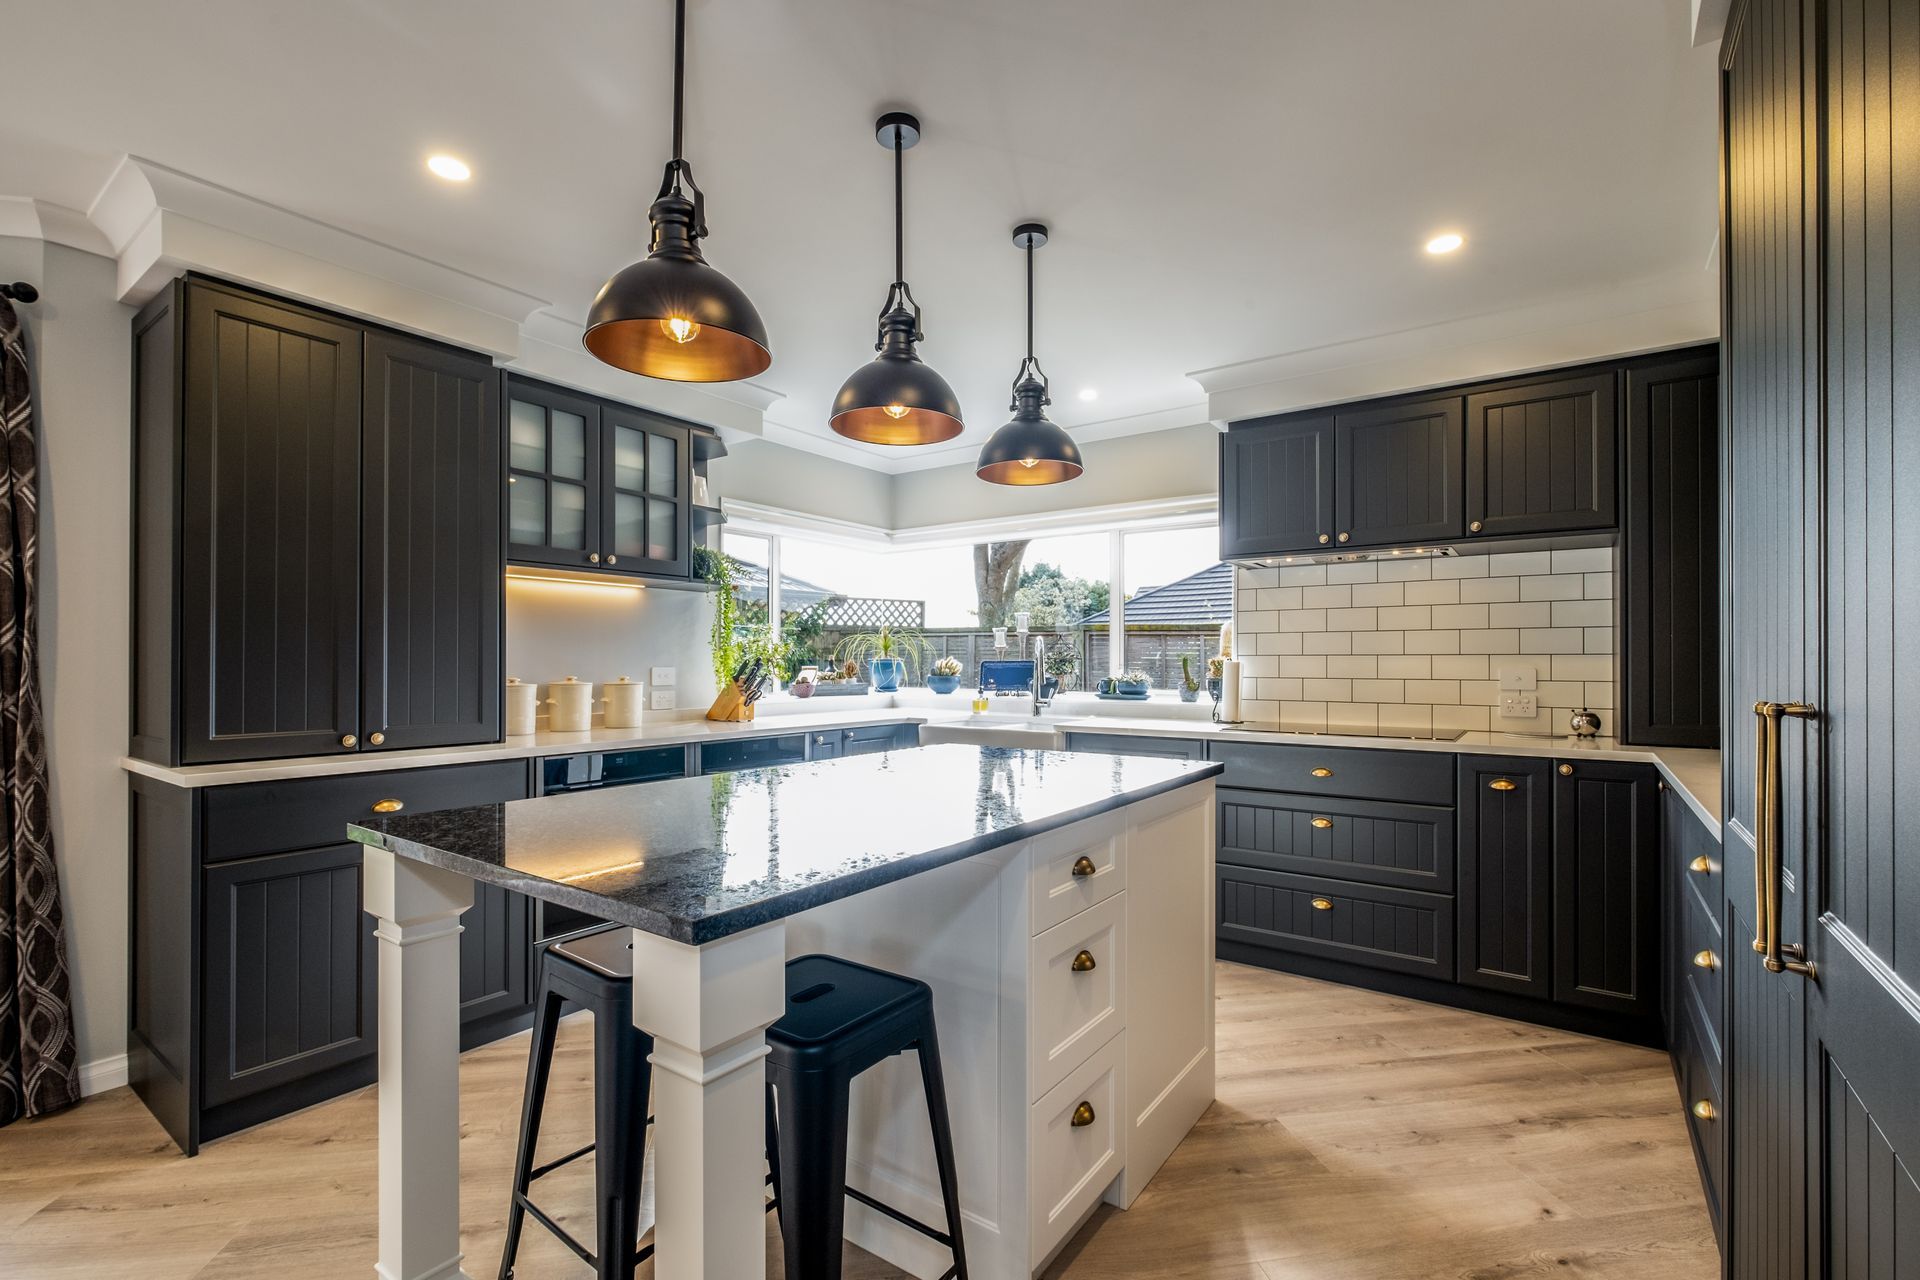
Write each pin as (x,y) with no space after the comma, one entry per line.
(1648,314)
(29,219)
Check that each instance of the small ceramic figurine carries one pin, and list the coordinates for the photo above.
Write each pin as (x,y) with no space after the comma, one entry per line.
(1584,723)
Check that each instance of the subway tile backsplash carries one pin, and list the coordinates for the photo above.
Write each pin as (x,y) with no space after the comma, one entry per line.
(1419,645)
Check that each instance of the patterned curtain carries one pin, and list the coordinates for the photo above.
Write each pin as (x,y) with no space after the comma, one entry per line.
(37,1068)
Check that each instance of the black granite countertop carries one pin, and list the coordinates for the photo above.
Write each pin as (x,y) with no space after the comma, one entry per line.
(697,859)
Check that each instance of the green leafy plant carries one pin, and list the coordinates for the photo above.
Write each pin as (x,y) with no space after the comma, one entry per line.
(1187,681)
(903,643)
(1062,662)
(719,568)
(758,645)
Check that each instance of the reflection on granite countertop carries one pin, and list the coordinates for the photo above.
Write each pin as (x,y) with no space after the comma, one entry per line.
(697,859)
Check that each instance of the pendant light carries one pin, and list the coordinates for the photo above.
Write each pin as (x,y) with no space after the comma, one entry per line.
(671,315)
(895,398)
(1029,449)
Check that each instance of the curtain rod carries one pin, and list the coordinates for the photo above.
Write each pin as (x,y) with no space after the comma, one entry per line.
(19,291)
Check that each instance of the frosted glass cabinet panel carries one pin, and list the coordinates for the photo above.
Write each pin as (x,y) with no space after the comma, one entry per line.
(647,524)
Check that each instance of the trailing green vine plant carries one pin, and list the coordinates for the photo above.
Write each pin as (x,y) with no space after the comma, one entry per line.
(718,568)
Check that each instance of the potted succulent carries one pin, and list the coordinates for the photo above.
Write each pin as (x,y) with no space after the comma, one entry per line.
(842,678)
(1216,669)
(945,676)
(891,654)
(1189,687)
(1132,684)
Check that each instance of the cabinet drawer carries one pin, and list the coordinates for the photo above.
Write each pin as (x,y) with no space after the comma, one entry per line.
(1365,840)
(1705,984)
(752,753)
(1373,925)
(1699,1083)
(870,739)
(1071,1164)
(1076,1009)
(1128,744)
(1697,852)
(1411,777)
(1064,885)
(274,817)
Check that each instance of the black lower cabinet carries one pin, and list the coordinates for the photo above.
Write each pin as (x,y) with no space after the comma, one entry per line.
(1506,873)
(254,973)
(1606,895)
(1693,994)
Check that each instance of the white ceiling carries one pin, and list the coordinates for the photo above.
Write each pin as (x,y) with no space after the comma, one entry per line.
(1227,180)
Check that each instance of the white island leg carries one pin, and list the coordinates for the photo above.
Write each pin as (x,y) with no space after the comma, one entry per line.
(418,908)
(708,1009)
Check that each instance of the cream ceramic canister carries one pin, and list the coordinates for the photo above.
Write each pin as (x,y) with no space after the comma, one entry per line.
(523,707)
(571,701)
(624,703)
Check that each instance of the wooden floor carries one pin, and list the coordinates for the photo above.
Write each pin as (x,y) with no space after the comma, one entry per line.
(1356,1135)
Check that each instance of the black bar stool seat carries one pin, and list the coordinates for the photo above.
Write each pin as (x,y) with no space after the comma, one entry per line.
(842,1019)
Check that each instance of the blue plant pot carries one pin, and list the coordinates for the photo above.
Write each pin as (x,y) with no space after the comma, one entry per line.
(943,684)
(886,674)
(1132,687)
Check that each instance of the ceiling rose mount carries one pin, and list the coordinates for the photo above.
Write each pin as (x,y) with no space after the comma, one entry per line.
(1029,449)
(671,315)
(896,398)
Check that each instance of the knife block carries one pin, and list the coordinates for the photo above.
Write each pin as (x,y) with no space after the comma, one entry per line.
(730,705)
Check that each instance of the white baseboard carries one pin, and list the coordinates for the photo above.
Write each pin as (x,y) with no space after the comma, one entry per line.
(102,1074)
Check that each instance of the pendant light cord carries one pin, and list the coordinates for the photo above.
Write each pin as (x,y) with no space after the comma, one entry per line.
(679,71)
(899,212)
(1029,300)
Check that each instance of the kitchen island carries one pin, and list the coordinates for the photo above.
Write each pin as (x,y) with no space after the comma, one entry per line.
(983,871)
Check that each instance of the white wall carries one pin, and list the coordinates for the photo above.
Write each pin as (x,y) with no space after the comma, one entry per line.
(561,629)
(78,341)
(1178,463)
(764,472)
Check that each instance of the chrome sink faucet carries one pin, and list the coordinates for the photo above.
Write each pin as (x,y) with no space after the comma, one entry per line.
(1042,695)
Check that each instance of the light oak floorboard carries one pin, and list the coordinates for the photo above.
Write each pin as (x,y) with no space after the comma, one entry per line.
(1357,1136)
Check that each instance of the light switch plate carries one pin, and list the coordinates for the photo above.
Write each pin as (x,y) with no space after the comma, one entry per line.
(1519,706)
(1516,675)
(660,699)
(663,677)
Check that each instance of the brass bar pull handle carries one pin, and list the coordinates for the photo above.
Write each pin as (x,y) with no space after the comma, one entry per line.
(1778,957)
(1083,866)
(1502,784)
(1760,809)
(1083,963)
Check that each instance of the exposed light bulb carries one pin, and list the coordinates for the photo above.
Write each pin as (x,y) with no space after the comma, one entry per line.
(896,411)
(680,329)
(1029,462)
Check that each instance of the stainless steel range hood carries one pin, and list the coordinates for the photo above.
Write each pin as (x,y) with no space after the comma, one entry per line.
(1344,557)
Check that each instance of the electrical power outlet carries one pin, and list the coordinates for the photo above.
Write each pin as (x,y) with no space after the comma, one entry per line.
(1519,706)
(660,699)
(663,678)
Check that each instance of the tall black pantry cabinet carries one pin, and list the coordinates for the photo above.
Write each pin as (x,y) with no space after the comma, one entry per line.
(1820,107)
(318,551)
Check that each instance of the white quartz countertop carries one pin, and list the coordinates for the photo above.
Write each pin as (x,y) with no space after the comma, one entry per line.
(1694,773)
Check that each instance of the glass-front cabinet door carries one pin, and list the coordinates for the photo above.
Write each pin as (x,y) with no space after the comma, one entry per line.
(553,476)
(644,459)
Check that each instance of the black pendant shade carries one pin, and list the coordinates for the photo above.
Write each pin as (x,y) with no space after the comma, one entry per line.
(671,315)
(896,399)
(1029,449)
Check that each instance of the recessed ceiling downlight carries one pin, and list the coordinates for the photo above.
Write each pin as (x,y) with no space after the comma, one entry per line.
(452,168)
(1089,394)
(1446,243)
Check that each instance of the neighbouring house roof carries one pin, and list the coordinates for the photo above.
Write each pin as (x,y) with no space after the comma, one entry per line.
(750,583)
(1203,597)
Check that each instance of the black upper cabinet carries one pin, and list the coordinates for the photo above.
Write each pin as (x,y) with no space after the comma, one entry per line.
(596,485)
(1606,894)
(1397,473)
(553,475)
(316,534)
(430,541)
(268,581)
(1670,645)
(1506,873)
(1541,457)
(644,522)
(1276,485)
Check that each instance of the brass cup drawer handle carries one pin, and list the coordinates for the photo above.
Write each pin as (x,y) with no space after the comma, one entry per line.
(1083,963)
(1503,784)
(1321,773)
(1323,823)
(1704,1110)
(1323,904)
(1566,771)
(1701,864)
(1082,1115)
(377,739)
(388,806)
(1705,960)
(1083,866)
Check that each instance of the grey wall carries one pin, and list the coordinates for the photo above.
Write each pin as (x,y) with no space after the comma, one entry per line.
(761,471)
(78,342)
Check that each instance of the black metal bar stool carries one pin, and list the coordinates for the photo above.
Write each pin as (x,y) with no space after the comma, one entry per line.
(595,971)
(842,1019)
